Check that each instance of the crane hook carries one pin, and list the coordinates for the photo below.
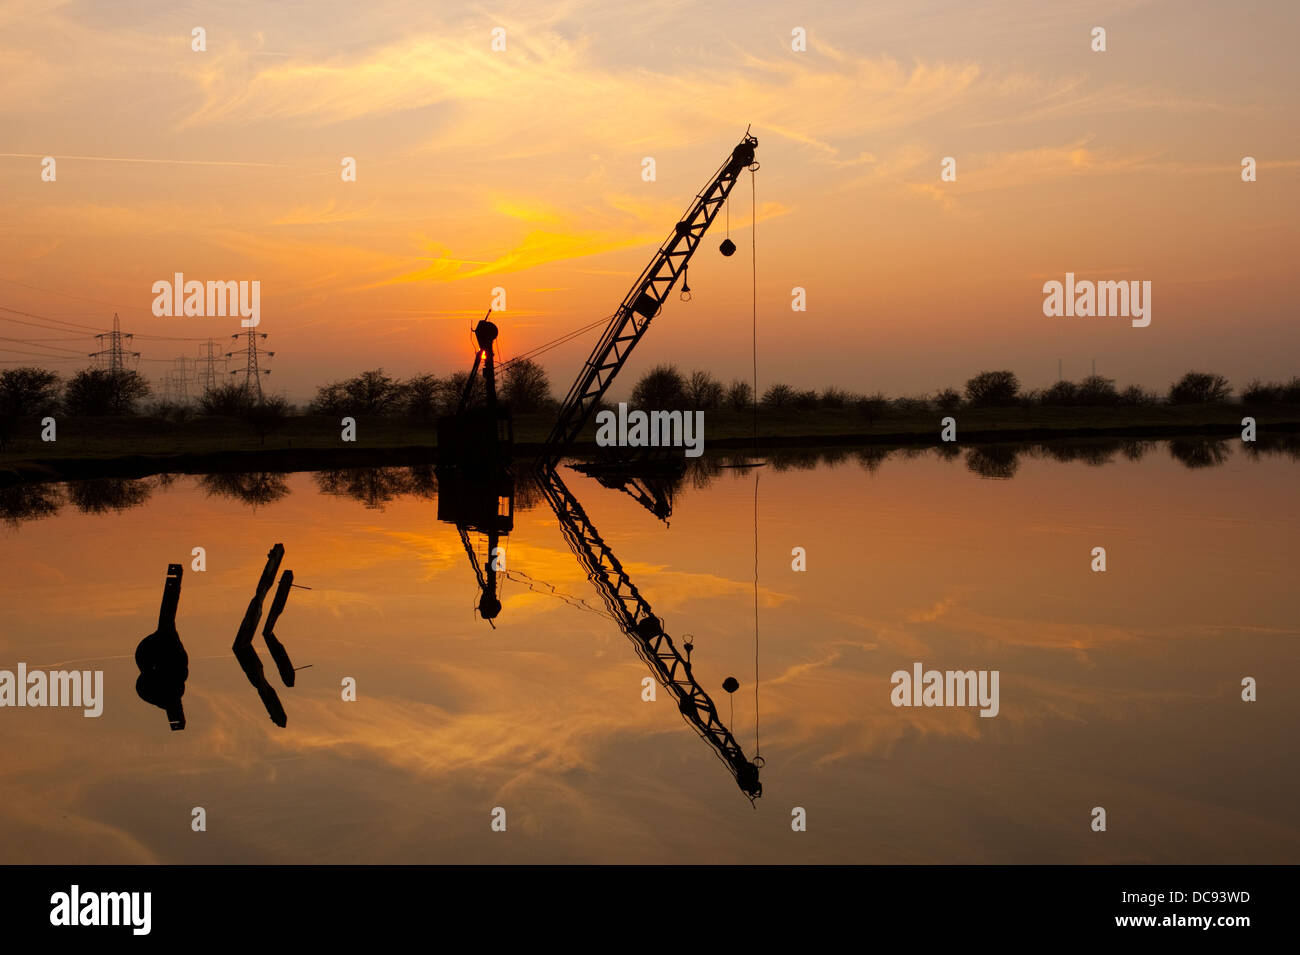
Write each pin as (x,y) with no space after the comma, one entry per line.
(686,287)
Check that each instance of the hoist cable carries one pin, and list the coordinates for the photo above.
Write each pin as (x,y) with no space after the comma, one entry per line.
(753,255)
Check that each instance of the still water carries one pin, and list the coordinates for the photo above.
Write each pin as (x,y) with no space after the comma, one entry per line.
(1119,689)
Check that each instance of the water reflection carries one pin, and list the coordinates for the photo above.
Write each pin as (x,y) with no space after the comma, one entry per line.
(278,652)
(1199,453)
(996,461)
(635,617)
(481,507)
(651,482)
(106,495)
(543,714)
(164,665)
(375,487)
(30,502)
(254,488)
(480,504)
(243,645)
(657,490)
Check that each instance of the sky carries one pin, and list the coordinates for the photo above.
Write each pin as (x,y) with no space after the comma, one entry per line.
(522,169)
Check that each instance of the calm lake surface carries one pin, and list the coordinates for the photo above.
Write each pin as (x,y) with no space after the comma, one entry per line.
(1120,689)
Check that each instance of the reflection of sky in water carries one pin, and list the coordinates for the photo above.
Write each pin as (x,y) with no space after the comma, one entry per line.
(1119,690)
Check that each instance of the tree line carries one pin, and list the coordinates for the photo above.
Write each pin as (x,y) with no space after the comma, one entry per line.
(665,387)
(524,387)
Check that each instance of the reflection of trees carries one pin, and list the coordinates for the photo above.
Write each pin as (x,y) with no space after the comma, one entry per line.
(376,487)
(423,481)
(1136,450)
(101,495)
(871,457)
(794,459)
(1200,452)
(373,487)
(1282,445)
(528,494)
(1092,453)
(250,487)
(998,461)
(29,502)
(835,456)
(704,469)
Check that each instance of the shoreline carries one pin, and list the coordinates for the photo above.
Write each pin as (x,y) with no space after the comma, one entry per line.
(28,468)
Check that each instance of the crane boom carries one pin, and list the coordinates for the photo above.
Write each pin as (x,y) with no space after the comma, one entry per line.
(642,303)
(637,620)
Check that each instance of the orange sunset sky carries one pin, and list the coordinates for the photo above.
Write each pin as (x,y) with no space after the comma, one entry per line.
(522,169)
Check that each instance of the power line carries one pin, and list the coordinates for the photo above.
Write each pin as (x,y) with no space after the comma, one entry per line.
(39,354)
(73,326)
(69,338)
(36,342)
(90,328)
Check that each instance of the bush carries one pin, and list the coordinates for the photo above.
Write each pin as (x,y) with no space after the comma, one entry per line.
(371,392)
(872,406)
(266,416)
(910,406)
(1061,393)
(805,400)
(453,389)
(835,398)
(779,396)
(98,391)
(231,400)
(1096,390)
(993,388)
(525,386)
(169,410)
(1257,392)
(28,392)
(948,400)
(662,388)
(422,396)
(703,392)
(740,395)
(1199,387)
(1134,396)
(330,400)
